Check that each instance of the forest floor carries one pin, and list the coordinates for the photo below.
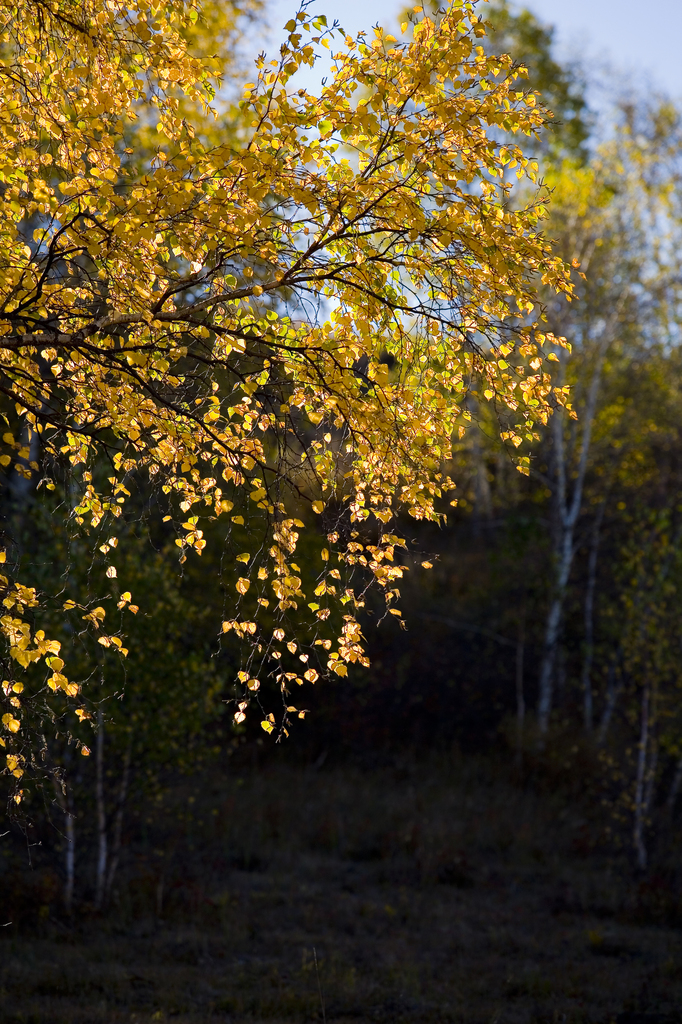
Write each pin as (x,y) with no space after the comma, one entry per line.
(402,896)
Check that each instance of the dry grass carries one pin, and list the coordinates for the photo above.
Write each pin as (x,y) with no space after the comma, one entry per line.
(431,893)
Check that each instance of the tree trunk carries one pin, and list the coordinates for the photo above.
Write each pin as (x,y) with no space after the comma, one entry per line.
(640,808)
(101,816)
(69,860)
(568,516)
(159,895)
(520,697)
(547,665)
(118,820)
(588,702)
(65,802)
(651,773)
(612,691)
(675,787)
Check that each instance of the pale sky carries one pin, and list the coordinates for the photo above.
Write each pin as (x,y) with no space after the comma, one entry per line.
(641,40)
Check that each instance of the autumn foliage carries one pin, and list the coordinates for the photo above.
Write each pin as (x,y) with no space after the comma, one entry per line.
(299,312)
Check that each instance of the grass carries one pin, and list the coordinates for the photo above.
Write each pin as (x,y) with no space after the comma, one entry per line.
(429,892)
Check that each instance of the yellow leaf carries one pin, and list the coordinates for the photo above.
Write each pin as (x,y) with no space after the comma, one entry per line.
(121,159)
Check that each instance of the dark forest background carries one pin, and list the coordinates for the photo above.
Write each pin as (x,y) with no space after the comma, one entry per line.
(511,760)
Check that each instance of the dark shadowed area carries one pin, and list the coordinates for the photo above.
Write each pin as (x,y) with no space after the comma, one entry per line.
(482,827)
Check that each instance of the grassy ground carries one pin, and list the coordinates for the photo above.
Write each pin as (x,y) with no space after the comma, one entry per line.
(426,893)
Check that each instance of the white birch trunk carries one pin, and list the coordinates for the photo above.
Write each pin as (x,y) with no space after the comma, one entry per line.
(69,860)
(651,773)
(101,816)
(118,820)
(65,802)
(612,692)
(520,697)
(588,700)
(675,787)
(640,809)
(568,516)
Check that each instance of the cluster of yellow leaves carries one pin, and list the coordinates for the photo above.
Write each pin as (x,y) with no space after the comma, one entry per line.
(19,638)
(305,310)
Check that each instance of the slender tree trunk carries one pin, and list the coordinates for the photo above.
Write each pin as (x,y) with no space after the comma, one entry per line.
(520,697)
(547,666)
(640,808)
(65,801)
(560,668)
(118,820)
(159,895)
(675,787)
(69,860)
(568,517)
(588,703)
(101,816)
(651,774)
(612,692)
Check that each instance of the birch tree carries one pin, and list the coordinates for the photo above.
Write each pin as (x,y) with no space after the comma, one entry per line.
(213,315)
(620,219)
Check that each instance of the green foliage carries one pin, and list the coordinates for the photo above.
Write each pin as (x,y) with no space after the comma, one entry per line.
(528,40)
